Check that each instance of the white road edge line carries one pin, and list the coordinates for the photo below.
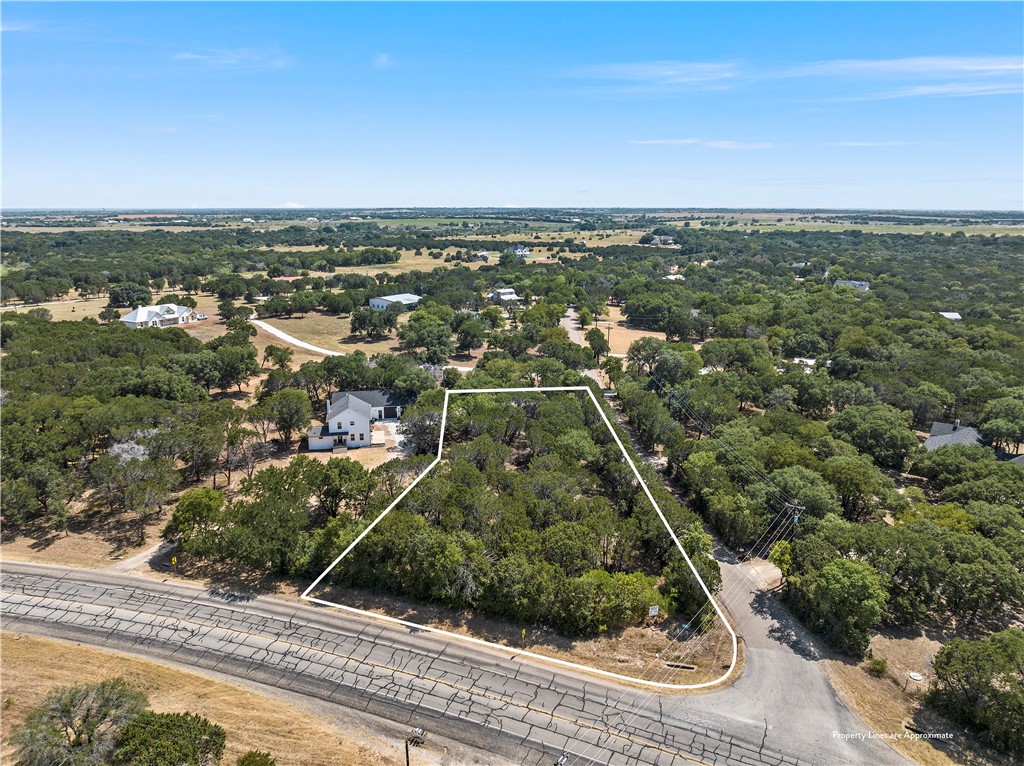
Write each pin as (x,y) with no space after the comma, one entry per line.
(514,650)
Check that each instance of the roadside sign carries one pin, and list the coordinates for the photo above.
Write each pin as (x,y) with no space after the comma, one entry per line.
(652,611)
(174,560)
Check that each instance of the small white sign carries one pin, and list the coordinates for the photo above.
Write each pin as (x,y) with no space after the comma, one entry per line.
(652,611)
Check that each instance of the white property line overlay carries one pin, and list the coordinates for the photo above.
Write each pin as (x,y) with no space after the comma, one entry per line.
(502,647)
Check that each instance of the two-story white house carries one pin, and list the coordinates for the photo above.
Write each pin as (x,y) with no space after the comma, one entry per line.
(503,295)
(350,418)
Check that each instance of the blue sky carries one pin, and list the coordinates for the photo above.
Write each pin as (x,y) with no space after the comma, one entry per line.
(865,105)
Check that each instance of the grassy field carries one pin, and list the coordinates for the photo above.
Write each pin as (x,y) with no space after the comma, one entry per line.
(294,735)
(334,333)
(622,335)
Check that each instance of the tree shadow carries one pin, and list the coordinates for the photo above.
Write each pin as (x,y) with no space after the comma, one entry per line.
(963,747)
(226,581)
(785,629)
(123,531)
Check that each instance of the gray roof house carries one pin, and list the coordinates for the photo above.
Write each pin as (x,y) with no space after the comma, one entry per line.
(855,284)
(350,418)
(948,434)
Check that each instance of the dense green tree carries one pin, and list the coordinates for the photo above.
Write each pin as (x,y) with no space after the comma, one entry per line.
(981,683)
(598,343)
(881,431)
(169,739)
(844,600)
(291,412)
(195,511)
(129,294)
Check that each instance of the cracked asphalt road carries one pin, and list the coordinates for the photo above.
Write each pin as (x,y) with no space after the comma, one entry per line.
(522,712)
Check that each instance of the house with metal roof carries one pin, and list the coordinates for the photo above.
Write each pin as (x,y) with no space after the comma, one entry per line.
(164,315)
(401,300)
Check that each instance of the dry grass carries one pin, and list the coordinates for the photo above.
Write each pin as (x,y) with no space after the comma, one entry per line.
(637,652)
(622,334)
(334,333)
(96,538)
(889,703)
(295,736)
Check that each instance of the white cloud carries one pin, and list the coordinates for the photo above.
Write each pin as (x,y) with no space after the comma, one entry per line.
(915,75)
(16,27)
(237,58)
(160,129)
(1007,88)
(294,205)
(661,73)
(869,144)
(915,66)
(714,144)
(384,61)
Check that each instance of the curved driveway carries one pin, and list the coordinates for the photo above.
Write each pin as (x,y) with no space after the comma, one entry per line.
(522,712)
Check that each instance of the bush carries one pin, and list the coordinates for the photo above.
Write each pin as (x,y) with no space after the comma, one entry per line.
(878,667)
(256,758)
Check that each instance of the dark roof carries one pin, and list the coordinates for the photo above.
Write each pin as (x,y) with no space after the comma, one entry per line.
(376,398)
(1019,460)
(348,402)
(317,431)
(946,434)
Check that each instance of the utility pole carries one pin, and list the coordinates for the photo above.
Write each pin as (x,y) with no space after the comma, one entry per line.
(795,509)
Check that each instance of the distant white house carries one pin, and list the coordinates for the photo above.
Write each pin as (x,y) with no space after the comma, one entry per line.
(520,250)
(951,315)
(248,220)
(350,418)
(662,240)
(403,300)
(675,277)
(503,295)
(164,315)
(855,284)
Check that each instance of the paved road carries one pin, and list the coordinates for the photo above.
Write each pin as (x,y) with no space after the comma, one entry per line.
(571,323)
(523,713)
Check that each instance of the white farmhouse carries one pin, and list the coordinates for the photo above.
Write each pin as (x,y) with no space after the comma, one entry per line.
(503,295)
(350,418)
(403,300)
(164,315)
